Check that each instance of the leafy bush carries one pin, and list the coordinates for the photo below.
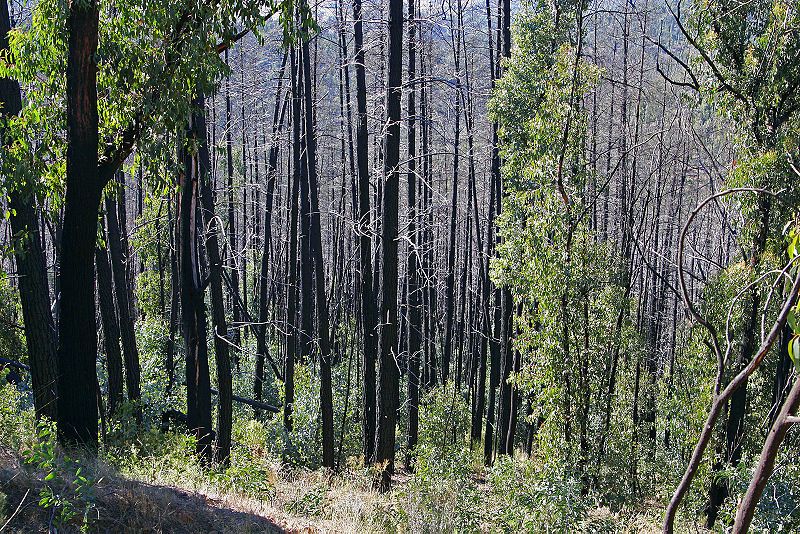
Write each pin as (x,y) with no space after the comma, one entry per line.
(534,497)
(250,472)
(442,496)
(11,343)
(779,507)
(17,422)
(167,457)
(68,489)
(311,503)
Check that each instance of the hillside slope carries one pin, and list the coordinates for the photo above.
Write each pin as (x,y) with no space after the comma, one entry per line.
(124,505)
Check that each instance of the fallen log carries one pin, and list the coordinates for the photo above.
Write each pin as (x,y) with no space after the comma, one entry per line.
(250,402)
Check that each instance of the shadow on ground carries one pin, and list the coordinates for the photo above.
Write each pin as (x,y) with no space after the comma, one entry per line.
(122,505)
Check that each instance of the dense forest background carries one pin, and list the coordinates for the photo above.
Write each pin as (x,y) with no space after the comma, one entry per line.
(477,265)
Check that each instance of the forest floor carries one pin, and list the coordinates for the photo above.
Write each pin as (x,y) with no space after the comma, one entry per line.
(125,504)
(143,503)
(150,499)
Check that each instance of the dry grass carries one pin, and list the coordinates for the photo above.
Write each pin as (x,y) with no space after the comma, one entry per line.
(126,505)
(302,501)
(152,498)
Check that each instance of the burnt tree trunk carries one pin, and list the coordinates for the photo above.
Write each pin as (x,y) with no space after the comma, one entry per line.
(77,336)
(389,381)
(193,309)
(108,320)
(369,309)
(414,316)
(122,292)
(264,286)
(232,236)
(315,243)
(222,449)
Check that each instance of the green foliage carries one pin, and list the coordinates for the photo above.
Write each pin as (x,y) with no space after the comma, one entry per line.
(575,310)
(152,336)
(445,495)
(122,426)
(533,496)
(301,446)
(442,496)
(444,422)
(17,420)
(793,250)
(311,503)
(33,159)
(155,455)
(746,66)
(251,469)
(746,71)
(151,242)
(68,489)
(12,345)
(152,59)
(779,508)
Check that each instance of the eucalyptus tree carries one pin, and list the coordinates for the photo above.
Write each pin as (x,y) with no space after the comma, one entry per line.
(414,315)
(194,319)
(117,238)
(23,187)
(315,244)
(128,68)
(744,67)
(202,168)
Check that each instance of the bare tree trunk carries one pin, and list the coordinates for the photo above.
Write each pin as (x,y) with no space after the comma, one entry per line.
(388,385)
(264,286)
(77,335)
(175,290)
(451,254)
(193,313)
(369,310)
(222,448)
(294,238)
(326,388)
(122,292)
(232,235)
(108,319)
(414,289)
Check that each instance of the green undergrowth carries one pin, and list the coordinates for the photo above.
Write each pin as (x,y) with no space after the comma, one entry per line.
(449,489)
